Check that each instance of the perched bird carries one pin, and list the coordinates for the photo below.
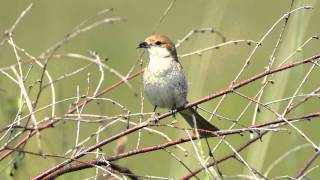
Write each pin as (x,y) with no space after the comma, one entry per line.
(164,81)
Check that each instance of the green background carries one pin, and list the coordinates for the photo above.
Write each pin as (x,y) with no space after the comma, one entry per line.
(49,21)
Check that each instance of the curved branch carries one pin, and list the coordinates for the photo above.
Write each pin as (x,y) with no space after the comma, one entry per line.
(303,170)
(75,166)
(93,163)
(228,90)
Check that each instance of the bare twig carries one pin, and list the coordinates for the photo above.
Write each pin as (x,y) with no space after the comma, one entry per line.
(271,124)
(303,170)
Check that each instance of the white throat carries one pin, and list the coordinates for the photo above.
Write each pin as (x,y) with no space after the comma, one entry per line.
(160,60)
(158,52)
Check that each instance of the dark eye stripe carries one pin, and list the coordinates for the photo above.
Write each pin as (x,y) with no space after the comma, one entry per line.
(158,43)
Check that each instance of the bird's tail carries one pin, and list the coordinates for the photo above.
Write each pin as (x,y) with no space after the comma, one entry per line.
(192,117)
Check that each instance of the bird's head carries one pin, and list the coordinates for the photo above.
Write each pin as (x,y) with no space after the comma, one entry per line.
(159,46)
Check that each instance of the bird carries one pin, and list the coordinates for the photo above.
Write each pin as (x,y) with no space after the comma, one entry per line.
(165,84)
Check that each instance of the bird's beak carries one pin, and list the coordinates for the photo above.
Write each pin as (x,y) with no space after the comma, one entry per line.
(143,45)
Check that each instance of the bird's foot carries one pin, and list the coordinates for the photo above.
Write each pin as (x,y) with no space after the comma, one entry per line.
(174,111)
(154,119)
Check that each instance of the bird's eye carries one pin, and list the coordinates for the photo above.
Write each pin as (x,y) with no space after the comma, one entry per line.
(158,43)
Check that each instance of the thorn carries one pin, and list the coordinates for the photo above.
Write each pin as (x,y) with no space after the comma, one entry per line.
(260,138)
(6,33)
(92,53)
(316,37)
(15,165)
(271,81)
(308,7)
(186,154)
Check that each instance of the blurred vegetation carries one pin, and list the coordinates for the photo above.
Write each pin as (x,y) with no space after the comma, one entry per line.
(49,21)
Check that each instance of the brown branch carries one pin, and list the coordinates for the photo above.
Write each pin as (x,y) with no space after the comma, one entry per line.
(301,102)
(202,100)
(231,155)
(81,164)
(307,117)
(93,163)
(74,167)
(307,165)
(53,121)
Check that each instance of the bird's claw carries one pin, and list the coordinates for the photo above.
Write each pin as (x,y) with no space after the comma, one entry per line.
(174,111)
(154,119)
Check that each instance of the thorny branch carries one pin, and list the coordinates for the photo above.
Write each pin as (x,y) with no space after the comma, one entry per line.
(73,163)
(165,115)
(262,128)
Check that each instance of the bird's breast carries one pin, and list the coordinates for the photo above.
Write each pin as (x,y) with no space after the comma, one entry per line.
(164,83)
